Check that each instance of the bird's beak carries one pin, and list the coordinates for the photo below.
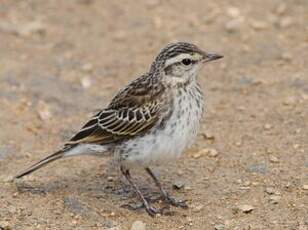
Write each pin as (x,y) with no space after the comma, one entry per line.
(211,57)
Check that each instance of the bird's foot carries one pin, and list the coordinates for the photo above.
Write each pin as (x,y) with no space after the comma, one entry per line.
(140,205)
(151,210)
(174,202)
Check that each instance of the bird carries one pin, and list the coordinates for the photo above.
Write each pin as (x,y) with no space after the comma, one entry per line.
(151,121)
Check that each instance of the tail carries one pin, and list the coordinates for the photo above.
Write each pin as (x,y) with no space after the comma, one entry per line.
(57,155)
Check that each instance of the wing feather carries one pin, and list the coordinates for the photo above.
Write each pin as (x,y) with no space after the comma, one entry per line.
(133,111)
(115,125)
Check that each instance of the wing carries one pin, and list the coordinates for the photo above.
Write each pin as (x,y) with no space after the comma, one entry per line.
(132,112)
(113,125)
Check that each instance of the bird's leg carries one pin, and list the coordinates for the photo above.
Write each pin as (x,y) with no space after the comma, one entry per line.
(166,196)
(150,210)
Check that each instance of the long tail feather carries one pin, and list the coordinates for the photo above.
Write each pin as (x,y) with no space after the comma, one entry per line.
(41,163)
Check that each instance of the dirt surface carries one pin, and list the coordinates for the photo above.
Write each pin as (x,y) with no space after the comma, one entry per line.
(60,61)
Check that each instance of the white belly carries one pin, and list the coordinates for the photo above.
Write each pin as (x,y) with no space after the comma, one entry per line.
(169,142)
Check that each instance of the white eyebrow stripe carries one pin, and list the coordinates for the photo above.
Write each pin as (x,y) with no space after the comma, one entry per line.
(180,57)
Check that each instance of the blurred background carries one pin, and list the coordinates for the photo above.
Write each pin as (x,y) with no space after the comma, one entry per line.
(60,61)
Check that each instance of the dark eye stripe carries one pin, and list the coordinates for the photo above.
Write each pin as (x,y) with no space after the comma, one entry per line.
(168,68)
(180,62)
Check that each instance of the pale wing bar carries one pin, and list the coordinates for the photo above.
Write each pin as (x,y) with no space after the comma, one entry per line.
(128,121)
(111,124)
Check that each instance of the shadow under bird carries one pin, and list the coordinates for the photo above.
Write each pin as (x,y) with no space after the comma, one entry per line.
(150,121)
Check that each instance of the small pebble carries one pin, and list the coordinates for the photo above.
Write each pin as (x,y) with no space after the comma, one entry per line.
(296,146)
(15,194)
(269,151)
(305,187)
(258,25)
(138,225)
(233,25)
(178,184)
(189,220)
(246,208)
(268,126)
(207,151)
(74,222)
(233,12)
(86,82)
(110,178)
(219,227)
(198,208)
(208,136)
(112,214)
(273,159)
(212,152)
(286,57)
(197,155)
(270,190)
(241,108)
(288,185)
(255,183)
(244,188)
(44,112)
(274,199)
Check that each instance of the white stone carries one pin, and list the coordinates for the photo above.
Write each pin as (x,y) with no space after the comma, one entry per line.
(138,225)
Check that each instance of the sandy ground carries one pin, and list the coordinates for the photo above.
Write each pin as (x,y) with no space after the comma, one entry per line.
(60,61)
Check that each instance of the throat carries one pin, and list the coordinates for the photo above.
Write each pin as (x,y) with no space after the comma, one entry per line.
(185,84)
(178,81)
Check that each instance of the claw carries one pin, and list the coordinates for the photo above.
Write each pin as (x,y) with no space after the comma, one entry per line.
(176,203)
(151,211)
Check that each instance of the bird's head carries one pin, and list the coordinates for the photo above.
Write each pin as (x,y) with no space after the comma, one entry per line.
(180,62)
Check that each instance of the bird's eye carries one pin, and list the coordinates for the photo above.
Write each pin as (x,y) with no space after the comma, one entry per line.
(186,61)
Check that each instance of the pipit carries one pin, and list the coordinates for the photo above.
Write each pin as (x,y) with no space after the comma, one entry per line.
(150,121)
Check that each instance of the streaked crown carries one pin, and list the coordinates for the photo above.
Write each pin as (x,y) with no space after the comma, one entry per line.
(180,50)
(174,49)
